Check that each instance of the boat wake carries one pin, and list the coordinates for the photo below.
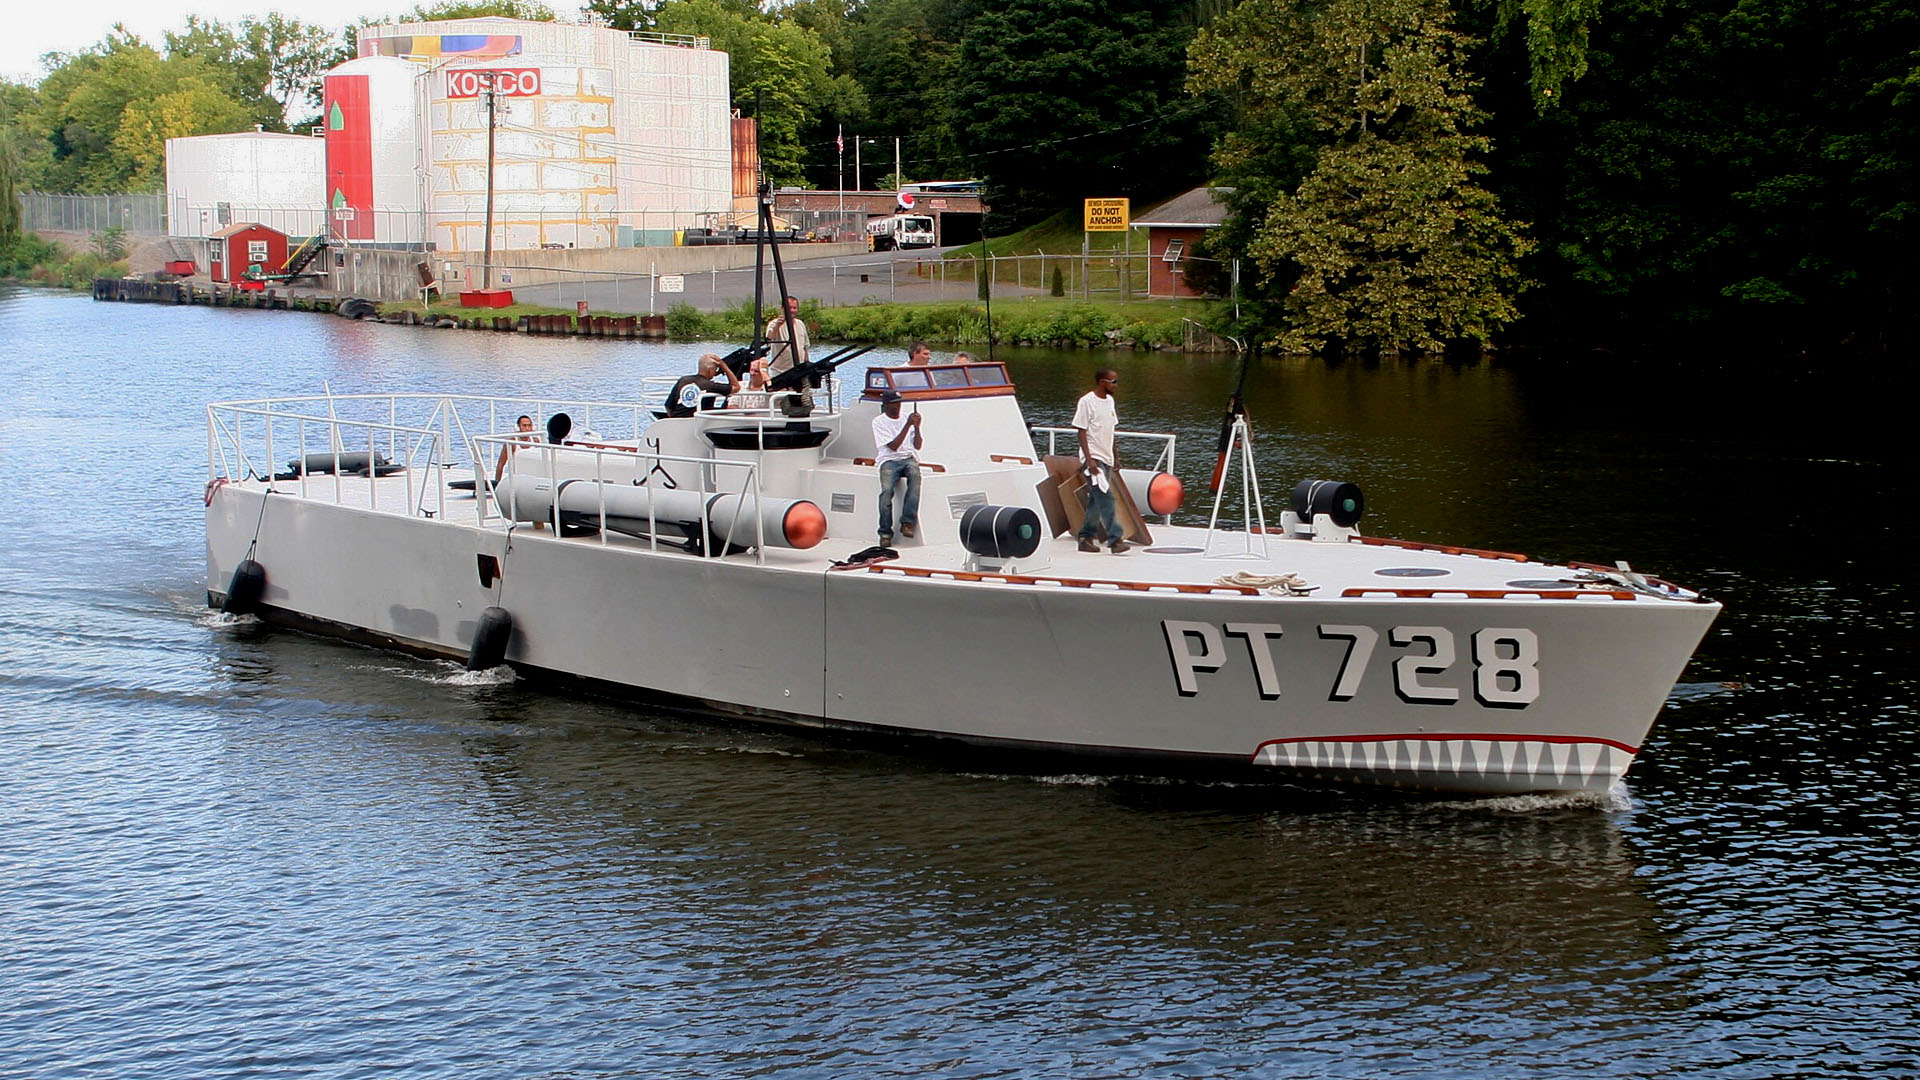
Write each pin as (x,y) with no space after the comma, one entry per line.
(1615,800)
(447,673)
(1688,692)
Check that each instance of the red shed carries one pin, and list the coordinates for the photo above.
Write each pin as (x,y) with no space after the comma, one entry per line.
(236,247)
(1174,228)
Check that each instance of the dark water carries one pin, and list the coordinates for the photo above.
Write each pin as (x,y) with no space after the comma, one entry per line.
(230,851)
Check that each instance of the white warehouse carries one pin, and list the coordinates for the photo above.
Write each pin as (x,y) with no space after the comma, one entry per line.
(601,138)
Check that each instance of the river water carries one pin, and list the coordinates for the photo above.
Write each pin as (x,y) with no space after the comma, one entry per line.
(228,850)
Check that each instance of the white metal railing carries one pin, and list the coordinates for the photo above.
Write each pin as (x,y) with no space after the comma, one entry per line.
(751,404)
(417,437)
(419,433)
(1164,462)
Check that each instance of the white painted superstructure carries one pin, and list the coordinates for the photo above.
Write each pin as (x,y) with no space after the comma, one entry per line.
(744,588)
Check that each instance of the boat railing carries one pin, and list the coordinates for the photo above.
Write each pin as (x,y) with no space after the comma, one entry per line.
(326,446)
(1163,461)
(648,463)
(750,403)
(418,433)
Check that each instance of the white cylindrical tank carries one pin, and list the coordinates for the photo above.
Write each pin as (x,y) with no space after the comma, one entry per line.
(371,117)
(554,169)
(262,176)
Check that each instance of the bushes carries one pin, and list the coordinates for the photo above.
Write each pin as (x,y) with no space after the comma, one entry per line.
(1016,323)
(30,258)
(685,322)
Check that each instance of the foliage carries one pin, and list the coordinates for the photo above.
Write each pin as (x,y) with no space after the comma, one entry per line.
(530,10)
(1389,241)
(1060,100)
(9,186)
(110,243)
(99,120)
(1744,174)
(1026,322)
(29,258)
(1059,286)
(780,74)
(685,322)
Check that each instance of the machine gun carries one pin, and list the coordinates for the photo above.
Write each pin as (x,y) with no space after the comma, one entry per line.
(814,372)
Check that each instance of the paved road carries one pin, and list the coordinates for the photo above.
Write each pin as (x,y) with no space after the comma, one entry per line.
(897,276)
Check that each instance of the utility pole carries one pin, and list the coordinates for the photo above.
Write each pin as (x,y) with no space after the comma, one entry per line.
(856,164)
(486,256)
(897,178)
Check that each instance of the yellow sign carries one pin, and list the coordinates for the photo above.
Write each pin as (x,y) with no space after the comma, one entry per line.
(1106,215)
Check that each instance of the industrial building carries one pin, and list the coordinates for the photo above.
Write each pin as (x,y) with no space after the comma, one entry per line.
(599,138)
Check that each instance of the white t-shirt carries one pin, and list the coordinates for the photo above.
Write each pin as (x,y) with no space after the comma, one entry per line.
(1096,416)
(884,429)
(776,334)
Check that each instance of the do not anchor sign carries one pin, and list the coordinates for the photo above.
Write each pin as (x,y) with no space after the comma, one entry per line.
(1106,215)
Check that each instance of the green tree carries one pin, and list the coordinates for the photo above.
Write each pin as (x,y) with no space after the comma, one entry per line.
(230,61)
(9,184)
(530,10)
(299,56)
(783,67)
(1389,241)
(1745,175)
(1059,100)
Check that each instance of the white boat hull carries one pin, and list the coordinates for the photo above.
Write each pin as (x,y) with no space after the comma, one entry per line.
(1538,695)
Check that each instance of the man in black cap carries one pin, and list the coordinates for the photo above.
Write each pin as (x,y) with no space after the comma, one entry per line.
(896,444)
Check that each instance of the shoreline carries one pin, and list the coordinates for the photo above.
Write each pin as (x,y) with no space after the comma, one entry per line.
(1085,331)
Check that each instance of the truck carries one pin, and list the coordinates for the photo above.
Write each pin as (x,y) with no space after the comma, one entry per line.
(900,231)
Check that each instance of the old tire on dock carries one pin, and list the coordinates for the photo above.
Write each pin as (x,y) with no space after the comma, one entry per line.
(355,307)
(490,639)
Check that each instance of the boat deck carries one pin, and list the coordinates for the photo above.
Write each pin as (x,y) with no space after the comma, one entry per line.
(1180,559)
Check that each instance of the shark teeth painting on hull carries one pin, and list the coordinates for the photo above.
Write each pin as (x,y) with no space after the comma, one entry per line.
(1444,762)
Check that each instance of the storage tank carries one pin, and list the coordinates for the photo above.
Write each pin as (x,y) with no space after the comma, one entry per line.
(371,117)
(218,180)
(554,182)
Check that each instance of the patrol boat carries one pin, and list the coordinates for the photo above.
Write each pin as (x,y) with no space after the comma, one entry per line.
(724,562)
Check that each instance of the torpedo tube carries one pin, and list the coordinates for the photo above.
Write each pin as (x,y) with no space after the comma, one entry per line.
(490,639)
(732,520)
(1154,492)
(248,585)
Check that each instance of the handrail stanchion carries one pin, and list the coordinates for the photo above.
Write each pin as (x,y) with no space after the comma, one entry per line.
(600,482)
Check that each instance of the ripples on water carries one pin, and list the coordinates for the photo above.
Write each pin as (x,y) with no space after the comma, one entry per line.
(230,850)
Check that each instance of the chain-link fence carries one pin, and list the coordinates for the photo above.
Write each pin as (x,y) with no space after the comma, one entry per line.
(851,280)
(134,214)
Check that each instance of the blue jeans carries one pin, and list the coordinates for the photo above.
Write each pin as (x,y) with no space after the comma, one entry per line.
(892,472)
(1102,511)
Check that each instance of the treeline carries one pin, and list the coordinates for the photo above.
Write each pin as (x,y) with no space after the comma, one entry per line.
(1406,174)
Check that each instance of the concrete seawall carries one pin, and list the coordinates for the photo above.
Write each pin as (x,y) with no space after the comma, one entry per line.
(395,275)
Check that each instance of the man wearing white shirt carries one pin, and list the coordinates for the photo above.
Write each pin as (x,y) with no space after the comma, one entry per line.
(896,444)
(1097,420)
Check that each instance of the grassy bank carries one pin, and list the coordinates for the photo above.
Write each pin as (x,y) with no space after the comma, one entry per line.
(1055,321)
(31,259)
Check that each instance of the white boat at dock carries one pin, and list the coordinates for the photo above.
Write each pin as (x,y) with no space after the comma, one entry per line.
(710,562)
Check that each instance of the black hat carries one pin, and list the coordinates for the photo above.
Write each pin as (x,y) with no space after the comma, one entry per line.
(890,397)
